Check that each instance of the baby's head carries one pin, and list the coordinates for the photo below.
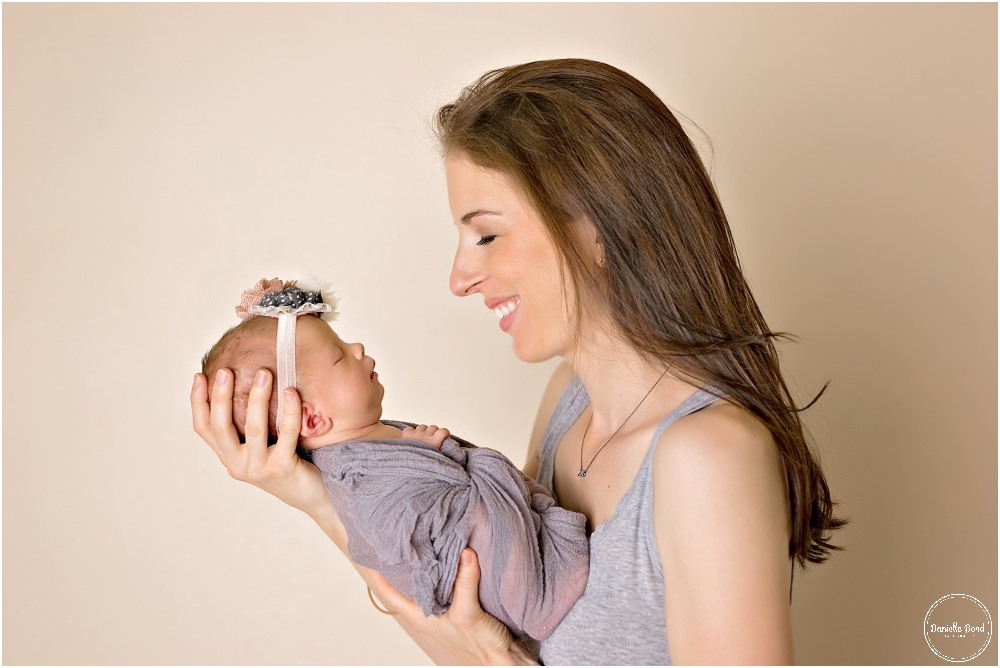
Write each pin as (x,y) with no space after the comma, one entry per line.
(336,381)
(245,349)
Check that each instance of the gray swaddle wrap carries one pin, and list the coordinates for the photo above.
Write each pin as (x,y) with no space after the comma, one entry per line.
(410,509)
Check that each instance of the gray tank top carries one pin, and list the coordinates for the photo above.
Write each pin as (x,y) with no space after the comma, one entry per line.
(620,618)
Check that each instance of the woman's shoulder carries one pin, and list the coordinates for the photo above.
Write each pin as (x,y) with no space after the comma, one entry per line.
(723,454)
(723,434)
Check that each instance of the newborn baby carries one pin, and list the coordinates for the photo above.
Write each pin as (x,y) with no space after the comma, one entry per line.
(411,498)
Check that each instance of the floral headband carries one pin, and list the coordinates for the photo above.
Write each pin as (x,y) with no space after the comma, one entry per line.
(286,301)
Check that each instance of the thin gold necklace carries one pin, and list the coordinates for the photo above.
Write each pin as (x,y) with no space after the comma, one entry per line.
(583,471)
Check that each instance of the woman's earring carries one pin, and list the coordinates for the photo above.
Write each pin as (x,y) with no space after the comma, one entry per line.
(600,262)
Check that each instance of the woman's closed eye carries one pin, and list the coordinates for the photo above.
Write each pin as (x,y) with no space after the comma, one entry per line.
(486,240)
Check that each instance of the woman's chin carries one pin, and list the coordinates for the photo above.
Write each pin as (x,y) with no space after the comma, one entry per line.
(532,354)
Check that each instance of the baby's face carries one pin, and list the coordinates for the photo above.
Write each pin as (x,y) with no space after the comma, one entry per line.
(336,376)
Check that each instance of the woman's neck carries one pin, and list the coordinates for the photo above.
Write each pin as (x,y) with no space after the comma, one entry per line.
(617,377)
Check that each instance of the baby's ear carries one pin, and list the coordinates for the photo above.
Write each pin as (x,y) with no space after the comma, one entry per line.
(314,423)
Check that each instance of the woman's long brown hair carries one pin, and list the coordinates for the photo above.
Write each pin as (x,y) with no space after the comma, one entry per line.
(586,141)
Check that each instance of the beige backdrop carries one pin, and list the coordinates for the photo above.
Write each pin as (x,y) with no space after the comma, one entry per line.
(160,158)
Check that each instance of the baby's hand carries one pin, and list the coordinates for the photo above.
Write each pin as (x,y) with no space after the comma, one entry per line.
(431,435)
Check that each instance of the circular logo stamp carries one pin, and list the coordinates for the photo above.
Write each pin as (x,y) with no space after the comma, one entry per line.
(958,628)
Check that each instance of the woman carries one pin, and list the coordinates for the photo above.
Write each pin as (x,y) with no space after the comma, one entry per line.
(588,222)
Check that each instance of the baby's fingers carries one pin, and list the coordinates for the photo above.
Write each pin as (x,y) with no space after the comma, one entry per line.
(435,435)
(431,435)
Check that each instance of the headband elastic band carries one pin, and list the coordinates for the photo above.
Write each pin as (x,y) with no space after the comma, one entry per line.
(286,360)
(286,301)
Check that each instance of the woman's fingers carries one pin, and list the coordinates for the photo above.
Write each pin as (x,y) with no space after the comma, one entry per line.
(490,640)
(279,470)
(258,412)
(392,599)
(223,433)
(201,411)
(465,608)
(465,634)
(290,422)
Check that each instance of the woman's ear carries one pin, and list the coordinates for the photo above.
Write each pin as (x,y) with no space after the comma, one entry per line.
(314,423)
(591,238)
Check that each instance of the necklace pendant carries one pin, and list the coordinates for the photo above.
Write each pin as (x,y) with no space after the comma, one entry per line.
(581,474)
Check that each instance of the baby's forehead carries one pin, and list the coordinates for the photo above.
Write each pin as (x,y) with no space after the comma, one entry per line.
(319,330)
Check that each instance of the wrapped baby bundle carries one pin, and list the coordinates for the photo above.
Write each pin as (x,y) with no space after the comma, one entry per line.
(410,509)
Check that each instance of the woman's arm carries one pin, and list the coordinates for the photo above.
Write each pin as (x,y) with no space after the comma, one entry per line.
(722,527)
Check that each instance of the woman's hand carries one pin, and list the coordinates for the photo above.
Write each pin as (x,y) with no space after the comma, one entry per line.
(464,634)
(277,470)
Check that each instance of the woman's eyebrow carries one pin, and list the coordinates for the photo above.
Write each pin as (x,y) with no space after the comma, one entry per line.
(478,212)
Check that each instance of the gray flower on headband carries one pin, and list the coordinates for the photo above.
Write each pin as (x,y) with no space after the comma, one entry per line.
(275,297)
(293,297)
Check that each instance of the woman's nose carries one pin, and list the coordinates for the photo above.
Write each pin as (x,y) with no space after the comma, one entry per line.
(359,349)
(465,275)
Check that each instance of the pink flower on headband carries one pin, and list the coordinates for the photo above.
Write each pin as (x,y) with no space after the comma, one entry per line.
(253,296)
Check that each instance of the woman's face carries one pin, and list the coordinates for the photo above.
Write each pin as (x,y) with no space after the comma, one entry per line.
(506,255)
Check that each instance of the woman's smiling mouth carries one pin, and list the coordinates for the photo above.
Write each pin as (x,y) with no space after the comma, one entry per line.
(507,307)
